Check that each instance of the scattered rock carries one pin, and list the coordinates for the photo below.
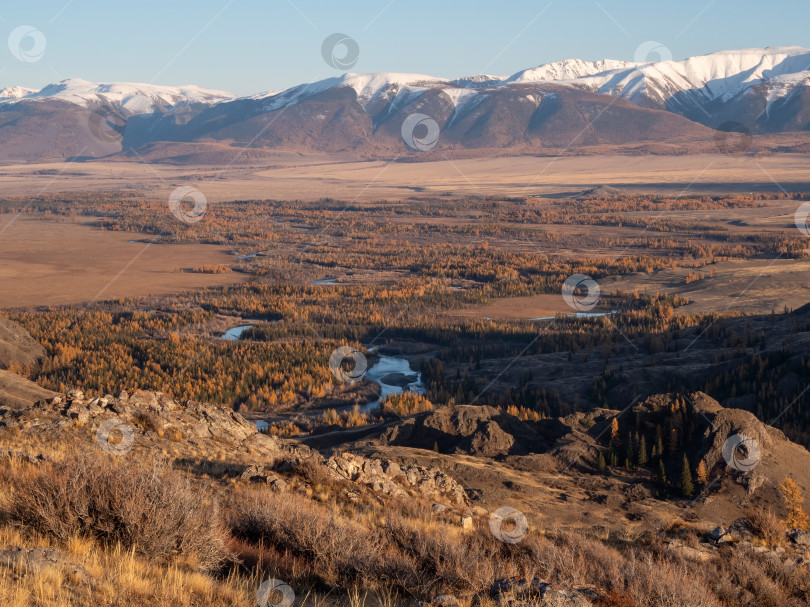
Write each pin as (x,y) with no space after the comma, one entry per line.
(692,554)
(474,495)
(441,600)
(570,598)
(390,479)
(801,538)
(31,459)
(78,412)
(719,535)
(520,592)
(739,531)
(42,558)
(467,522)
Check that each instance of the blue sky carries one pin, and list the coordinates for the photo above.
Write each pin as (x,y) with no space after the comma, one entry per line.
(247,46)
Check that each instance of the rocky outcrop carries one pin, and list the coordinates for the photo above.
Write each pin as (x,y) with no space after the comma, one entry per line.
(474,430)
(737,443)
(389,478)
(188,431)
(144,420)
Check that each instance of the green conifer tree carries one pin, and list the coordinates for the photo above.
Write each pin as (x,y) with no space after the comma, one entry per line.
(662,474)
(642,452)
(687,485)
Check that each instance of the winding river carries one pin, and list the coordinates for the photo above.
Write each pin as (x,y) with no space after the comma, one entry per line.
(235,333)
(393,374)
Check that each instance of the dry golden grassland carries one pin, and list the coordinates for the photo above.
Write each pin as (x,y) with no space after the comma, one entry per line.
(314,176)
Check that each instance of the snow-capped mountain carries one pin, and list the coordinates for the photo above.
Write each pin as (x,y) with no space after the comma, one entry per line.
(702,84)
(702,88)
(558,105)
(15,92)
(131,97)
(570,69)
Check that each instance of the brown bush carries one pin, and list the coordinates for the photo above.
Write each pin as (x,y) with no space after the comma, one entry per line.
(765,525)
(404,548)
(417,555)
(151,510)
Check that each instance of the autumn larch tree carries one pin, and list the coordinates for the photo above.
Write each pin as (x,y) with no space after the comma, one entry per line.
(794,500)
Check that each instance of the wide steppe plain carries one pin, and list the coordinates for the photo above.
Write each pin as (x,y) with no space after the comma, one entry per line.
(288,176)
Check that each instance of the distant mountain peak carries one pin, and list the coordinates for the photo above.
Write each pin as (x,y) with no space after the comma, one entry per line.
(569,69)
(134,98)
(15,92)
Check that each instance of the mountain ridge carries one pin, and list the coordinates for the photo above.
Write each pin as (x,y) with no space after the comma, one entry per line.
(562,104)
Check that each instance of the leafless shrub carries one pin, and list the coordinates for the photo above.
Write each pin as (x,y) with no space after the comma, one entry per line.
(765,525)
(151,510)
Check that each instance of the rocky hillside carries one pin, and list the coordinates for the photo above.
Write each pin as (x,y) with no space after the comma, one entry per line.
(17,347)
(202,437)
(437,483)
(18,350)
(495,454)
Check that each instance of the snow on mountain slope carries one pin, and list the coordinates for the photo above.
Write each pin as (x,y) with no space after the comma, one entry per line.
(369,88)
(677,85)
(133,97)
(15,92)
(569,69)
(720,75)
